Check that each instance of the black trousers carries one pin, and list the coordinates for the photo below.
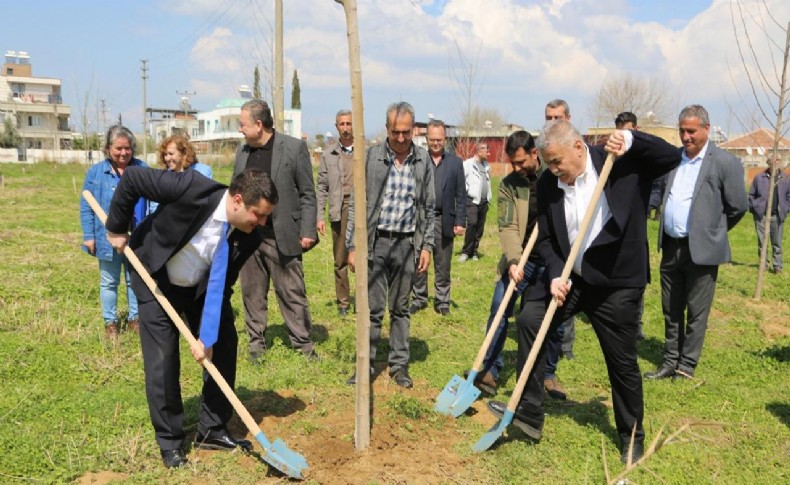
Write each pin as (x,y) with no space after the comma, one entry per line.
(442,263)
(475,224)
(613,313)
(687,292)
(161,360)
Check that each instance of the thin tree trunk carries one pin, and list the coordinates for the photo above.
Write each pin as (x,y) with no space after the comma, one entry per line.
(771,184)
(362,421)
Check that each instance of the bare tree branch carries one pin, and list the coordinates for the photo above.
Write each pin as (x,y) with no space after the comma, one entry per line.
(647,97)
(775,94)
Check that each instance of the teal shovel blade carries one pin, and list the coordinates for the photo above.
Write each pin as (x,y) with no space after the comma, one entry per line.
(493,434)
(458,395)
(279,456)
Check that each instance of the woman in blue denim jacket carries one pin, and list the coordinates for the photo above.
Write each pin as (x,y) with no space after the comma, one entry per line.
(101,181)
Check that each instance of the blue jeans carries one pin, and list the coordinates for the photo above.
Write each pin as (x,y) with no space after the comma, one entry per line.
(553,347)
(493,361)
(110,278)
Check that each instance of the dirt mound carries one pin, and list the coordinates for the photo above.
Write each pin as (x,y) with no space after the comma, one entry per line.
(409,442)
(773,317)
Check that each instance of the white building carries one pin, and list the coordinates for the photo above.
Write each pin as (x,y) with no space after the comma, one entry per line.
(217,131)
(35,103)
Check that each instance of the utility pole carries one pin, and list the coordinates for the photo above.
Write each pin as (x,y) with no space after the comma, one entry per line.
(279,95)
(145,115)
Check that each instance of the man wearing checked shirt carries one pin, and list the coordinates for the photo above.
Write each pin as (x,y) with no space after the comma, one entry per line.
(399,213)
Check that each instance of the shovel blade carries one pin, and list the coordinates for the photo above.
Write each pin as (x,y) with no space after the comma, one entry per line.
(489,438)
(467,395)
(281,457)
(448,395)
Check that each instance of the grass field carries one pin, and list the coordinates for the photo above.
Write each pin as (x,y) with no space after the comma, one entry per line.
(73,406)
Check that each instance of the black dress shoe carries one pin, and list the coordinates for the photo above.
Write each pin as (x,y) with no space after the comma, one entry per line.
(401,378)
(522,419)
(663,372)
(636,452)
(416,307)
(352,381)
(220,439)
(443,311)
(173,458)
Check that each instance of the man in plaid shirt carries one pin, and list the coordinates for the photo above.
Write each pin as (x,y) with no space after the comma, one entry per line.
(400,212)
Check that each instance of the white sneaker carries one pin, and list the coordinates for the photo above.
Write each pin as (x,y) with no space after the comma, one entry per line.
(475,258)
(462,258)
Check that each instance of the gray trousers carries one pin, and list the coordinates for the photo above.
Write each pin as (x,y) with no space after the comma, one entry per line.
(686,297)
(340,254)
(776,231)
(442,260)
(390,274)
(267,264)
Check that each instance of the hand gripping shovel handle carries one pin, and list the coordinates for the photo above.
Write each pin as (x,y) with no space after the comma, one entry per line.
(566,271)
(245,416)
(511,287)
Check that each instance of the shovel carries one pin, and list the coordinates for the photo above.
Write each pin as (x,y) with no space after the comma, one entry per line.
(459,394)
(276,454)
(490,437)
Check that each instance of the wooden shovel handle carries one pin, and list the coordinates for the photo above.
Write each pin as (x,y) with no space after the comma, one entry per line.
(245,416)
(511,287)
(566,272)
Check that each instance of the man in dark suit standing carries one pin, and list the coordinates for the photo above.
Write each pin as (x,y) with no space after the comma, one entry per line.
(450,219)
(289,232)
(177,245)
(611,271)
(706,198)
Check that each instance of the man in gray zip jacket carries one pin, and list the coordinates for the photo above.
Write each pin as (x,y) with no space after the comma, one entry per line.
(400,219)
(335,184)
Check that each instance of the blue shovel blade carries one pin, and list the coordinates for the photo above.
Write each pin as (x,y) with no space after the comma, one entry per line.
(448,395)
(493,434)
(467,395)
(279,456)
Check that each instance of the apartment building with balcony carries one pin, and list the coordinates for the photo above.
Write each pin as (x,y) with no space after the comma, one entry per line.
(35,104)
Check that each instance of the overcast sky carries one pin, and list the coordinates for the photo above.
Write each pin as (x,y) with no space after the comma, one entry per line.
(530,51)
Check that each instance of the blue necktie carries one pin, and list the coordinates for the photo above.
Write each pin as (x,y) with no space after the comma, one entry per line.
(212,307)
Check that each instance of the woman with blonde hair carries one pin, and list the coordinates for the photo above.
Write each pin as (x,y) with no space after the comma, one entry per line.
(177,154)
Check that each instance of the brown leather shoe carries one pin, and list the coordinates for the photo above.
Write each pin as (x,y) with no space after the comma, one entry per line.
(134,326)
(486,383)
(111,331)
(554,388)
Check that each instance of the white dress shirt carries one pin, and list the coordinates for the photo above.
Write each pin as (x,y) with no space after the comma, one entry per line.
(190,264)
(678,206)
(577,198)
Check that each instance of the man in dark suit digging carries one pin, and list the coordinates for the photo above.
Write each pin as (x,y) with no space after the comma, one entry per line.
(610,273)
(187,248)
